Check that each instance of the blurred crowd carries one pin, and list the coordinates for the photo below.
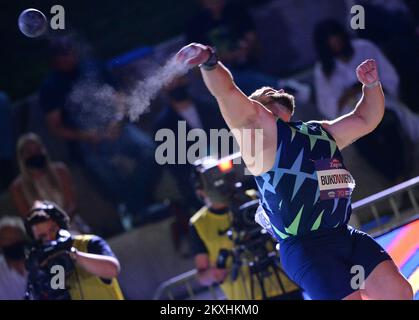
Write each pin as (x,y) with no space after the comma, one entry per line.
(117,156)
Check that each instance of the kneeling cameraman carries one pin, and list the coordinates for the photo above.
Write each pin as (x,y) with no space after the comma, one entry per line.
(88,264)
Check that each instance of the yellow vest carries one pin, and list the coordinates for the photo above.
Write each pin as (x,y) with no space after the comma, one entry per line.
(86,286)
(208,225)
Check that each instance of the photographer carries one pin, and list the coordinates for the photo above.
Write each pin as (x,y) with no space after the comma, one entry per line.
(210,242)
(90,265)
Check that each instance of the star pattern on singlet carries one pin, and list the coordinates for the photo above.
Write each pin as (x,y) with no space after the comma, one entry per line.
(303,129)
(273,178)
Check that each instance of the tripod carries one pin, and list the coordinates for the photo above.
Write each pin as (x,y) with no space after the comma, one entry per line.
(260,262)
(251,250)
(260,269)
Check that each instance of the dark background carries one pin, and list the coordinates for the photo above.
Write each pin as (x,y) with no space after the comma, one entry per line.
(110,28)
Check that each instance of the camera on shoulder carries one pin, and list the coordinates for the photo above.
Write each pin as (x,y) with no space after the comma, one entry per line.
(41,259)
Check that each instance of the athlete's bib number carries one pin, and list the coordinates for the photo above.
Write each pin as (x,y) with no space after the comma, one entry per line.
(334,180)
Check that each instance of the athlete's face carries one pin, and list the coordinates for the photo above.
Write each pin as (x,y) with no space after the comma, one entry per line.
(277,109)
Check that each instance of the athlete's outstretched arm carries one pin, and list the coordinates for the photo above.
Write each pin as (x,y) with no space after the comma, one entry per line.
(238,110)
(367,114)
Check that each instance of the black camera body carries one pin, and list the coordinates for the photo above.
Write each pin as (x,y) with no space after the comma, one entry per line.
(39,262)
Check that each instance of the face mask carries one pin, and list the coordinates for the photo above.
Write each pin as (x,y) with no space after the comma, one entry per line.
(179,93)
(15,251)
(36,162)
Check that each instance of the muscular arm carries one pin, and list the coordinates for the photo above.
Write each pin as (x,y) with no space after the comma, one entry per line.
(237,109)
(367,114)
(244,117)
(239,112)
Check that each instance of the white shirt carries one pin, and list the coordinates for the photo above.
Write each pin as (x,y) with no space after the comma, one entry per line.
(12,283)
(329,90)
(191,116)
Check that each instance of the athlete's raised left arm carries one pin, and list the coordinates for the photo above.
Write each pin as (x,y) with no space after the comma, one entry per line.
(367,114)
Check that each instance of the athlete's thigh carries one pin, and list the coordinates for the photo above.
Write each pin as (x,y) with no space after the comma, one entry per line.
(387,283)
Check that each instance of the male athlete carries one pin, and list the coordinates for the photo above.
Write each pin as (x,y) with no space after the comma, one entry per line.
(304,185)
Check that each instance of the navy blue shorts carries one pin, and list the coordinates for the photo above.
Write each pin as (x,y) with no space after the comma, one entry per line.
(321,262)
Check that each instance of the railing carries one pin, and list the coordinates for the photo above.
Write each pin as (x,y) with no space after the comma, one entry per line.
(188,278)
(389,195)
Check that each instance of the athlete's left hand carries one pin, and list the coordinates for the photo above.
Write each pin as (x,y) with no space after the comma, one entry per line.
(367,72)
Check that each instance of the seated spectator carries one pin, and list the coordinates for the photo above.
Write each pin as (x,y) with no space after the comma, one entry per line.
(338,90)
(230,29)
(40,178)
(13,275)
(82,105)
(7,143)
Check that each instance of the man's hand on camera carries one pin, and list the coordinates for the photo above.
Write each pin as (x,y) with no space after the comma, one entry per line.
(219,275)
(46,261)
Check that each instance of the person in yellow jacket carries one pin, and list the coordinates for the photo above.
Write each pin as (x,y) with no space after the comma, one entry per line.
(95,267)
(208,238)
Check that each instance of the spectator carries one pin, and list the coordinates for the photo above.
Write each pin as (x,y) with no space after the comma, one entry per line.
(40,179)
(83,107)
(338,89)
(7,142)
(230,29)
(13,275)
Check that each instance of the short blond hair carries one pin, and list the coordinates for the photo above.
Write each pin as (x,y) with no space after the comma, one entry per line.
(283,98)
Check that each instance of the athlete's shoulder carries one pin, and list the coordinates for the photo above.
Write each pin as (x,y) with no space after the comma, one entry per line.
(322,126)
